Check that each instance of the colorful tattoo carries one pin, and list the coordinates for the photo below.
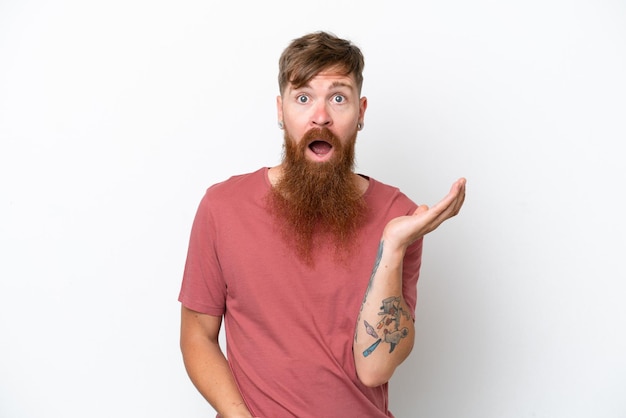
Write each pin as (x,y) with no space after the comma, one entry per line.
(391,313)
(389,324)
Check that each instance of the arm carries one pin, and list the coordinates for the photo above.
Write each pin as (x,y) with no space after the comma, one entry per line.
(206,364)
(384,331)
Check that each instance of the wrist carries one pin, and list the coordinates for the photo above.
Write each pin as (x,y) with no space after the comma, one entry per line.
(391,250)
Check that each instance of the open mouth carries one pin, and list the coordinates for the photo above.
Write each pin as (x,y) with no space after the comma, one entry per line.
(320,147)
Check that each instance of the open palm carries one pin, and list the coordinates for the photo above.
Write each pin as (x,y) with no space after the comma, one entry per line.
(405,230)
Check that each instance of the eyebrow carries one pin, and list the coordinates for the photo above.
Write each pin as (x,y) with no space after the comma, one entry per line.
(334,85)
(340,84)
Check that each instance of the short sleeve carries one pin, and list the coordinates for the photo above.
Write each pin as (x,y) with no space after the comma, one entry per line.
(203,287)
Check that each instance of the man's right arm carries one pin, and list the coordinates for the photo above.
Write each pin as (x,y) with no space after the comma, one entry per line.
(206,364)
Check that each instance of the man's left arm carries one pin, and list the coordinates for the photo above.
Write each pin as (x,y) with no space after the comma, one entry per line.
(384,331)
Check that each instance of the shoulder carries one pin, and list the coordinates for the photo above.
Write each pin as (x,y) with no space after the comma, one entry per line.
(380,190)
(239,182)
(382,195)
(235,191)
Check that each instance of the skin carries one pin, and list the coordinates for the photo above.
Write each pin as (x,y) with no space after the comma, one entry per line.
(329,100)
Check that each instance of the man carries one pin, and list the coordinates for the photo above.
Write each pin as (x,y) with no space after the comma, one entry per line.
(285,256)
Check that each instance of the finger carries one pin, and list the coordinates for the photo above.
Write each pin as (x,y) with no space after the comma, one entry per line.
(460,197)
(458,190)
(451,204)
(461,200)
(449,200)
(447,207)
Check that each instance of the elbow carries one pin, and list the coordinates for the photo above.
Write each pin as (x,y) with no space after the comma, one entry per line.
(374,378)
(375,372)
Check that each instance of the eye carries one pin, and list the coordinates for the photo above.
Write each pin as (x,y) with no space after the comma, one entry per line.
(338,98)
(302,98)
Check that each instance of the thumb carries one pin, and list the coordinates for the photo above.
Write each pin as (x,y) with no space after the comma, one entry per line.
(421,209)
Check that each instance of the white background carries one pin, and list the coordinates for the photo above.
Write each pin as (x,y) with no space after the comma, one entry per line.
(115,116)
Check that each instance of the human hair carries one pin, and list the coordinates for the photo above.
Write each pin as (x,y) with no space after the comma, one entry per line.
(310,54)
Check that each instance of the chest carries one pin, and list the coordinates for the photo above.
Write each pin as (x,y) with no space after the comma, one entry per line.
(267,281)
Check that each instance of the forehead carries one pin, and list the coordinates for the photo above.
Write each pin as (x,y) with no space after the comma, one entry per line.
(328,79)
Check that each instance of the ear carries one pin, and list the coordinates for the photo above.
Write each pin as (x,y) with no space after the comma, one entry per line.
(279,108)
(362,108)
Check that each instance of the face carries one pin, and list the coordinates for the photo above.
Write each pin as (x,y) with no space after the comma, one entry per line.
(330,100)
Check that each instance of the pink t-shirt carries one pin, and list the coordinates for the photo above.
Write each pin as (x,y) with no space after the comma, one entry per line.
(289,327)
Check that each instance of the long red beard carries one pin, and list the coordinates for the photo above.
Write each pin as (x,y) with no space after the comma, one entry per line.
(313,201)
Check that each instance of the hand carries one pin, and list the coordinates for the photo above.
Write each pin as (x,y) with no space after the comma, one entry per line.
(405,230)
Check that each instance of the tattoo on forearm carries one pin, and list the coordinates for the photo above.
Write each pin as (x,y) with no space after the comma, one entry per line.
(379,255)
(389,325)
(390,314)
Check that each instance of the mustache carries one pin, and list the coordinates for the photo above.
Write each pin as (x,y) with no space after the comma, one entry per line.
(320,134)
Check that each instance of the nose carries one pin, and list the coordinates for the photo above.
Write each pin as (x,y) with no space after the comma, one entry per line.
(321,116)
